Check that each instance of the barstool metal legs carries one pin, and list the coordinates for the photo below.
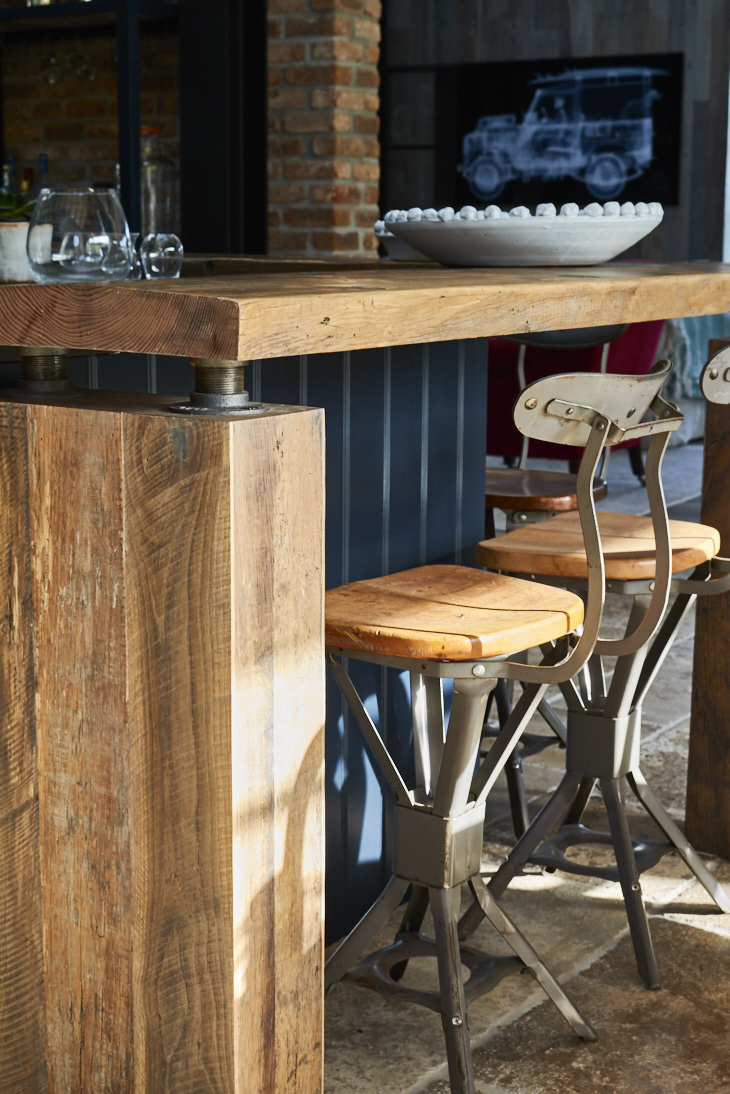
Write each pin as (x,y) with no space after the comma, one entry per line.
(445,904)
(438,842)
(522,948)
(676,836)
(628,876)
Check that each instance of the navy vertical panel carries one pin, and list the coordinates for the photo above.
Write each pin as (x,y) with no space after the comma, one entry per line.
(367,431)
(328,387)
(407,383)
(471,518)
(279,380)
(368,807)
(444,453)
(327,384)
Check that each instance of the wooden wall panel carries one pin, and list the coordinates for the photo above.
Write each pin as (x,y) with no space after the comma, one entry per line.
(430,32)
(278,751)
(76,531)
(708,811)
(22,1004)
(177,540)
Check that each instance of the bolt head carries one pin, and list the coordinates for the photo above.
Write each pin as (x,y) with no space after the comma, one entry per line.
(530,403)
(479,670)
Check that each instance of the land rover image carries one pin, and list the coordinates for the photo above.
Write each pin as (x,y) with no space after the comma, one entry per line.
(591,124)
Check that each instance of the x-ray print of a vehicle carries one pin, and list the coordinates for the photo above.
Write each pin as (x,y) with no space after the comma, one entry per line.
(591,124)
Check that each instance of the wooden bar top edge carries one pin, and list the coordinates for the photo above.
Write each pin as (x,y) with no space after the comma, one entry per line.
(243,316)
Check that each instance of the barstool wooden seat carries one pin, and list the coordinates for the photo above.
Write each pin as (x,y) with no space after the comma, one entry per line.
(530,490)
(555,548)
(475,628)
(447,613)
(603,729)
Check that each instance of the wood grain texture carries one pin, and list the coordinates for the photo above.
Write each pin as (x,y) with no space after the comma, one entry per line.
(447,613)
(76,522)
(251,316)
(708,778)
(177,506)
(555,547)
(533,490)
(278,752)
(22,1004)
(161,815)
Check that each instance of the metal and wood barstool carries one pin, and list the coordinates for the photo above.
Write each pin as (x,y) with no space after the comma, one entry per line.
(641,556)
(527,494)
(460,624)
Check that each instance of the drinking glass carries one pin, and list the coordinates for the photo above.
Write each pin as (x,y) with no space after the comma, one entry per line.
(136,273)
(79,235)
(162,255)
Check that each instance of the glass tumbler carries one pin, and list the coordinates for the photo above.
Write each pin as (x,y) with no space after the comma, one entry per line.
(79,235)
(162,255)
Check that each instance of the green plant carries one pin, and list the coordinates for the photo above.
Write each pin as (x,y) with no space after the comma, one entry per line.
(16,206)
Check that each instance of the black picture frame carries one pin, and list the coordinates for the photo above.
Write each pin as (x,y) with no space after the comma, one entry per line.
(618,114)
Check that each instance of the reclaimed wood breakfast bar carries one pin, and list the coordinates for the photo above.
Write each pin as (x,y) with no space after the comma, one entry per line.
(161,655)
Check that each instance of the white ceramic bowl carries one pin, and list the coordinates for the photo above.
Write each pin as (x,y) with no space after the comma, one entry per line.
(495,238)
(397,249)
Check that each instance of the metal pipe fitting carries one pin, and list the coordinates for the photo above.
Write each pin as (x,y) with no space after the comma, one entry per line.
(219,387)
(44,370)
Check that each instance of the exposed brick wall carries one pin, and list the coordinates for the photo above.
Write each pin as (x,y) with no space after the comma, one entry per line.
(74,119)
(324,155)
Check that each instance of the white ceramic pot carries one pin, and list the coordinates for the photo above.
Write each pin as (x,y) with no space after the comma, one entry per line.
(13,257)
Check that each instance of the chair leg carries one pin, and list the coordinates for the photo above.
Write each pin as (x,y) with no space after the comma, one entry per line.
(376,916)
(519,945)
(513,767)
(675,835)
(517,795)
(549,816)
(577,809)
(445,911)
(630,885)
(637,463)
(411,922)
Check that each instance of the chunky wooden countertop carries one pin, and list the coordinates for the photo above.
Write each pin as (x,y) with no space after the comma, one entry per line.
(270,308)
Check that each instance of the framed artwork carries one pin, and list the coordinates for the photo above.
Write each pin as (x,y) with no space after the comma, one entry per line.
(524,132)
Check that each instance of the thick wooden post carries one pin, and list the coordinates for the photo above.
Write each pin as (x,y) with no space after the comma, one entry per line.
(708,779)
(161,739)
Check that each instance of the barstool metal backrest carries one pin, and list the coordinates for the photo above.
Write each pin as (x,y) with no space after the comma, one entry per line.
(596,411)
(715,378)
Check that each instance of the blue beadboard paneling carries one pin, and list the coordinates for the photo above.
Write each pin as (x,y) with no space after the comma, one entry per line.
(406,437)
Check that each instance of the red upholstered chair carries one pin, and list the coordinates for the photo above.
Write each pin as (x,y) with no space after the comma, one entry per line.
(548,353)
